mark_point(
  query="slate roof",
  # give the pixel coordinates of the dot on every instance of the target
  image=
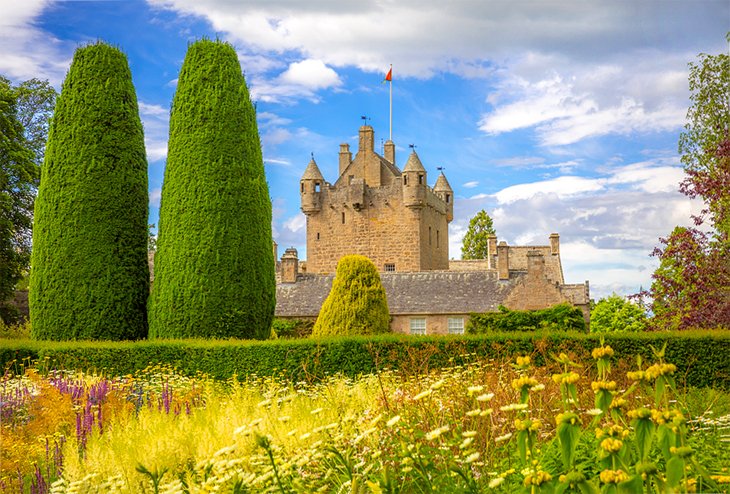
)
(433, 292)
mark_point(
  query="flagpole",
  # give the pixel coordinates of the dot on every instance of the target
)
(391, 103)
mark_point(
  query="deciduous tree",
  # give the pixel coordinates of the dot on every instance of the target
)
(475, 244)
(615, 313)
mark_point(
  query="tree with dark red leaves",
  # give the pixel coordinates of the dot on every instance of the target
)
(691, 287)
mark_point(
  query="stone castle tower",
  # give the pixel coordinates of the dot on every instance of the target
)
(393, 217)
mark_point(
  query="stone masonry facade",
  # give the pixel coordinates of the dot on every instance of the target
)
(374, 209)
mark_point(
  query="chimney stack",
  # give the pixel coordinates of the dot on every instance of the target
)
(535, 264)
(389, 151)
(345, 157)
(503, 261)
(554, 244)
(289, 265)
(491, 251)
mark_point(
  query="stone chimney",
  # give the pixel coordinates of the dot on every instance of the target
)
(503, 261)
(535, 264)
(367, 138)
(491, 251)
(389, 151)
(554, 244)
(289, 265)
(345, 157)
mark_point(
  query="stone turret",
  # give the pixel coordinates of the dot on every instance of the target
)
(444, 191)
(311, 188)
(414, 182)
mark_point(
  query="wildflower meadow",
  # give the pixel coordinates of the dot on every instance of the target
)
(485, 426)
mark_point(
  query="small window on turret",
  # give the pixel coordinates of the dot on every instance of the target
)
(302, 187)
(343, 217)
(317, 186)
(405, 179)
(448, 198)
(437, 239)
(420, 180)
(317, 235)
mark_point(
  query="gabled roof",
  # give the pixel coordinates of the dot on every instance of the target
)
(432, 292)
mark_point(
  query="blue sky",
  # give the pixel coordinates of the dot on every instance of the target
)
(554, 116)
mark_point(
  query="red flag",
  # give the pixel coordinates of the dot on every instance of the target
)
(389, 75)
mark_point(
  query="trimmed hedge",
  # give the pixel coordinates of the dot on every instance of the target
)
(214, 265)
(700, 356)
(356, 304)
(90, 277)
(561, 317)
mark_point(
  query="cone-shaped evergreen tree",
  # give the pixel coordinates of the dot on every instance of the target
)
(214, 266)
(356, 304)
(89, 274)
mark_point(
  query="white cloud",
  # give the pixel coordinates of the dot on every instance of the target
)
(470, 185)
(26, 51)
(560, 187)
(311, 74)
(155, 196)
(156, 122)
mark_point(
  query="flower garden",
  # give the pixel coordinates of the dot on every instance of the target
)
(483, 426)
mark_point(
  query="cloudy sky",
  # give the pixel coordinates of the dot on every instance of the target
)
(554, 116)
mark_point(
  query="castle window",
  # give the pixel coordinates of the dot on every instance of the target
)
(317, 235)
(302, 184)
(420, 179)
(456, 325)
(418, 325)
(390, 268)
(350, 179)
(448, 198)
(405, 179)
(437, 239)
(316, 186)
(343, 217)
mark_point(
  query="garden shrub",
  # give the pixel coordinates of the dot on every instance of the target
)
(292, 328)
(89, 276)
(214, 265)
(357, 304)
(562, 317)
(701, 356)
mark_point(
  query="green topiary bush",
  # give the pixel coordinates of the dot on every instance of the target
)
(356, 304)
(89, 276)
(214, 265)
(562, 317)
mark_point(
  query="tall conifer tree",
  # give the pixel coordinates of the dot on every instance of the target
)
(89, 271)
(214, 266)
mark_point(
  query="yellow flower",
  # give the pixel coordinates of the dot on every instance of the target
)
(611, 445)
(602, 352)
(537, 478)
(524, 382)
(523, 361)
(639, 413)
(566, 378)
(603, 385)
(613, 476)
(423, 394)
(657, 370)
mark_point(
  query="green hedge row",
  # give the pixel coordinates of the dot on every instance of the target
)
(562, 317)
(701, 357)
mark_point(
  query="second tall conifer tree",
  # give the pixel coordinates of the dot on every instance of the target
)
(214, 266)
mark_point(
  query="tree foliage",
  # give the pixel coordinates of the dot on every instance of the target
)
(475, 244)
(89, 271)
(214, 263)
(36, 99)
(691, 287)
(18, 181)
(615, 313)
(356, 304)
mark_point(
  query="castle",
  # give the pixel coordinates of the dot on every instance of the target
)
(394, 218)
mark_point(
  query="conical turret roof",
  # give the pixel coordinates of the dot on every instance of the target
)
(414, 164)
(442, 184)
(312, 172)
